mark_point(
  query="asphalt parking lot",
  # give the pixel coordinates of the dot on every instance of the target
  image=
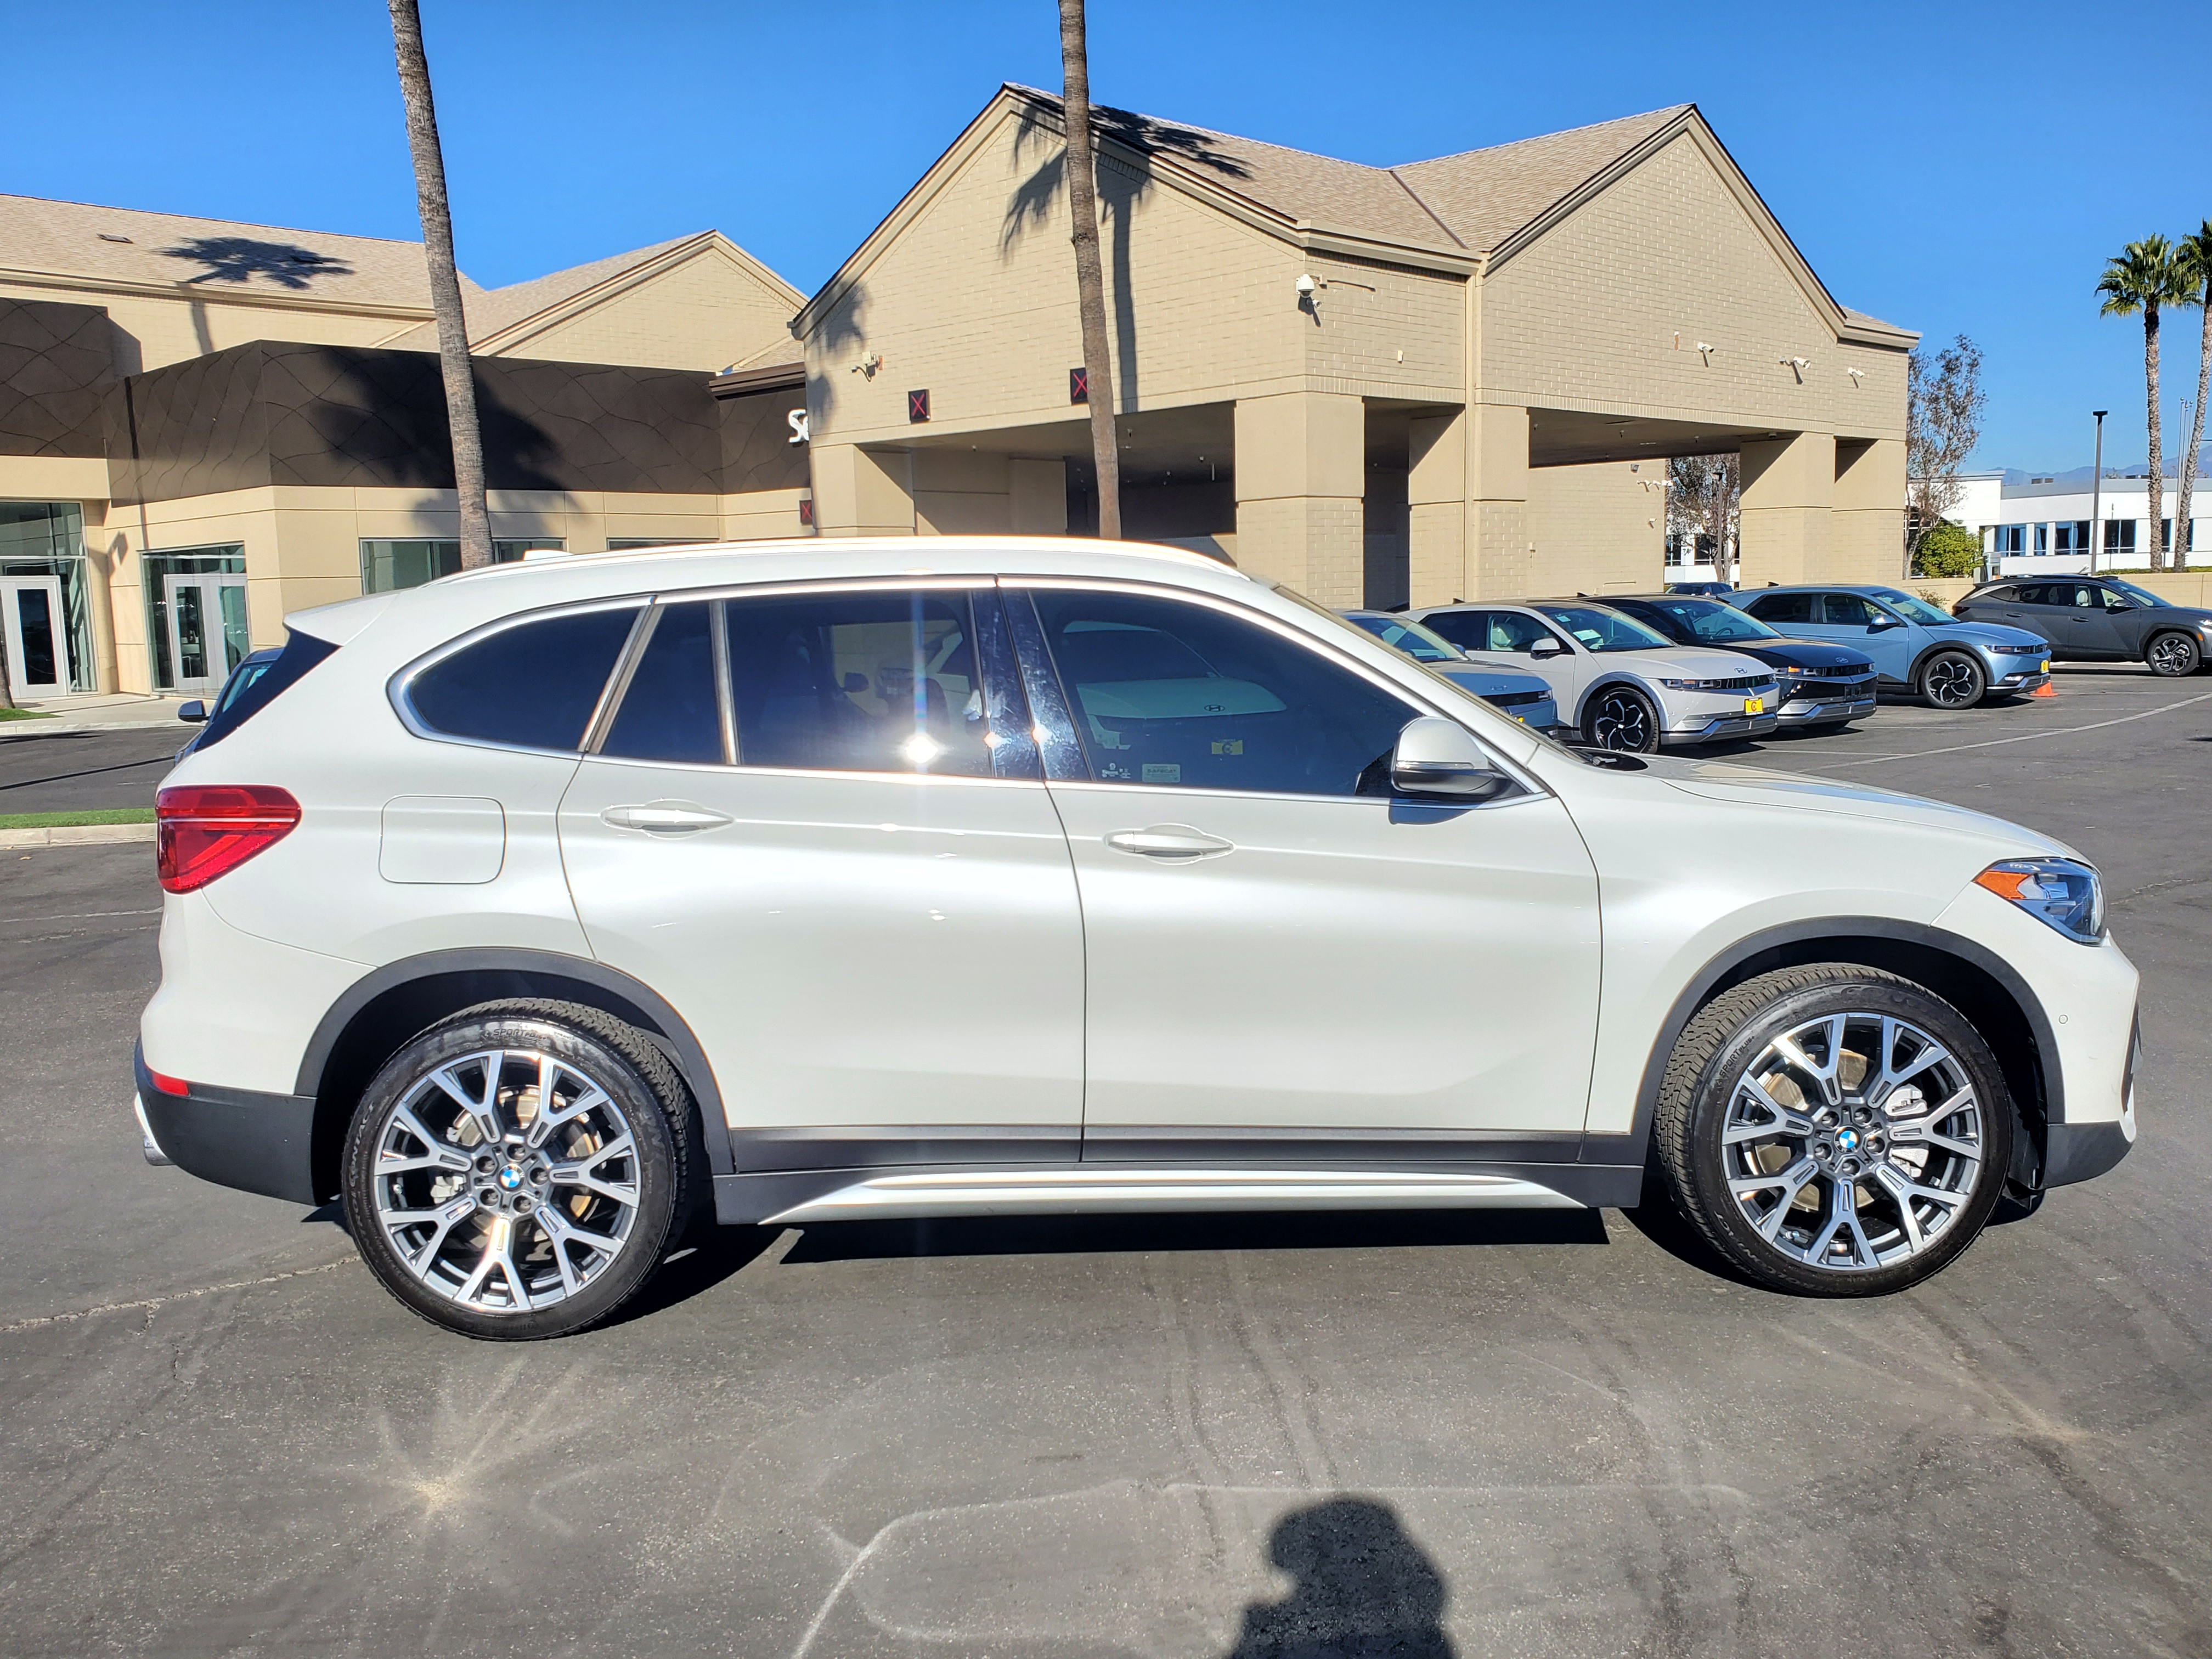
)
(1487, 1435)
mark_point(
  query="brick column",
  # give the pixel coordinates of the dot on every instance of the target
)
(1865, 531)
(1436, 508)
(1301, 479)
(1501, 563)
(1788, 489)
(860, 492)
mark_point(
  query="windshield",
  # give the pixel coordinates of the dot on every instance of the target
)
(1596, 629)
(1915, 609)
(1711, 623)
(1421, 644)
(2140, 595)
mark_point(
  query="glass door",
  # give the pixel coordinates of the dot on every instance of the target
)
(208, 633)
(38, 662)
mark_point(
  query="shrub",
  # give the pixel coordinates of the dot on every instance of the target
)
(1949, 549)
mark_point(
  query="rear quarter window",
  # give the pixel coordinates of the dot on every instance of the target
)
(248, 694)
(532, 685)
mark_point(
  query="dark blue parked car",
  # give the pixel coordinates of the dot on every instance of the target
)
(1821, 684)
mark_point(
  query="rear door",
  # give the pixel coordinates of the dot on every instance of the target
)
(814, 823)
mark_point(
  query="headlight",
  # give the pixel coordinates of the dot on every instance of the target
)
(2020, 650)
(2063, 893)
(1693, 685)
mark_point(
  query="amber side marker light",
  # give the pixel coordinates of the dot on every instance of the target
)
(205, 830)
(2005, 883)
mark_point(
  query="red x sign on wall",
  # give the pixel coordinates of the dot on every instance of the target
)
(917, 405)
(1078, 385)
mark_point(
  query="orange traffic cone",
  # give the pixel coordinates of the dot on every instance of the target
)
(2045, 689)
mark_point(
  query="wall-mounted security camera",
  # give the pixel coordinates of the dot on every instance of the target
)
(1307, 284)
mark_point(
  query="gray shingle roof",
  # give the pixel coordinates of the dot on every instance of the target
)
(1471, 201)
(220, 255)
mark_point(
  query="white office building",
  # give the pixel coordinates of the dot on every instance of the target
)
(2043, 527)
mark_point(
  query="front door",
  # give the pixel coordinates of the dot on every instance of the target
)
(1284, 962)
(37, 651)
(2083, 628)
(840, 865)
(208, 631)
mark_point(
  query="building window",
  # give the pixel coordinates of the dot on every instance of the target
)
(39, 539)
(2071, 538)
(631, 543)
(2120, 537)
(387, 564)
(2043, 538)
(2009, 538)
(211, 619)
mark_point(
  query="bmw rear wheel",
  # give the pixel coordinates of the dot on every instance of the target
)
(1834, 1130)
(2173, 656)
(517, 1172)
(1620, 717)
(1951, 679)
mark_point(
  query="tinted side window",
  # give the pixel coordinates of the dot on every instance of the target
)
(671, 710)
(1509, 631)
(1168, 692)
(1465, 629)
(533, 686)
(858, 682)
(1780, 608)
(1849, 610)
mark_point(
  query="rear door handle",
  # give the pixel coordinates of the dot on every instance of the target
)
(662, 817)
(1175, 842)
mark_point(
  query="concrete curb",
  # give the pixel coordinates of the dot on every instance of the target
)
(13, 729)
(75, 834)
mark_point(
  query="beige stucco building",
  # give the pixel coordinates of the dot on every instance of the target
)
(1456, 377)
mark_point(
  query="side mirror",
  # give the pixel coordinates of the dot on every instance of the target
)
(1440, 758)
(193, 713)
(1883, 624)
(2113, 607)
(1547, 648)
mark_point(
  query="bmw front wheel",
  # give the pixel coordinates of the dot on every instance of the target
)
(517, 1172)
(1834, 1130)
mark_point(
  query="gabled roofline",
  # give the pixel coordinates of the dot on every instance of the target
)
(560, 311)
(1690, 122)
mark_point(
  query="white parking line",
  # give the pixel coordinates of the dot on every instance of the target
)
(2024, 737)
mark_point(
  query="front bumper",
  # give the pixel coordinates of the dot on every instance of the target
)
(1716, 728)
(2031, 679)
(257, 1143)
(1818, 711)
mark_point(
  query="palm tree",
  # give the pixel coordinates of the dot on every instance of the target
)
(2146, 276)
(2195, 254)
(445, 282)
(1090, 280)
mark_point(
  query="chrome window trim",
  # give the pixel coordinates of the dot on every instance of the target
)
(617, 686)
(1322, 647)
(399, 688)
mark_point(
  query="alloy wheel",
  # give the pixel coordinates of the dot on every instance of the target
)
(506, 1181)
(1952, 681)
(2172, 656)
(1853, 1141)
(1622, 720)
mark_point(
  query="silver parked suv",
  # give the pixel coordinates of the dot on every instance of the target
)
(533, 911)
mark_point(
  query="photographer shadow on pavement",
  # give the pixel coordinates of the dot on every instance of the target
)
(1361, 1588)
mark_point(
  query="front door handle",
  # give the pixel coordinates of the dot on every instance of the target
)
(1177, 842)
(663, 818)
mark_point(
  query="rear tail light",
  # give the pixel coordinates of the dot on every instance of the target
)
(206, 830)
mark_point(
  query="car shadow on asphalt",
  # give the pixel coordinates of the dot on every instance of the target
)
(1116, 1235)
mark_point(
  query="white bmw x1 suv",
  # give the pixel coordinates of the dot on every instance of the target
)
(530, 911)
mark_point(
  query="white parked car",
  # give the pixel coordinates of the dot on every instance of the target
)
(530, 910)
(1619, 682)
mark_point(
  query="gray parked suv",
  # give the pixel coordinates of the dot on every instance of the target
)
(2098, 619)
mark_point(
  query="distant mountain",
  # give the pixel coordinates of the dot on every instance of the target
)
(2081, 475)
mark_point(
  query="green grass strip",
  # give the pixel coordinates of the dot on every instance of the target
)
(71, 820)
(23, 715)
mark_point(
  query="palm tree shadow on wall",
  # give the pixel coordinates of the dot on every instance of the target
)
(1123, 184)
(241, 258)
(1359, 1586)
(377, 418)
(845, 326)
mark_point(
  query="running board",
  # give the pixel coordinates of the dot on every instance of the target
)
(1079, 1189)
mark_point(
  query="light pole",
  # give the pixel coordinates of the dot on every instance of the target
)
(2096, 491)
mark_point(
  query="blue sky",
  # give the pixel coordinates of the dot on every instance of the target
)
(1952, 168)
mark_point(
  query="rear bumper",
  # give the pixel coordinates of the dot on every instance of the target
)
(257, 1143)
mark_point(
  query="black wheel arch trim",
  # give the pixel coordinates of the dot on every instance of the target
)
(617, 993)
(1703, 985)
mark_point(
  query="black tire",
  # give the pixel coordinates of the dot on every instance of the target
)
(1951, 679)
(646, 1096)
(1621, 717)
(1732, 1034)
(2172, 655)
